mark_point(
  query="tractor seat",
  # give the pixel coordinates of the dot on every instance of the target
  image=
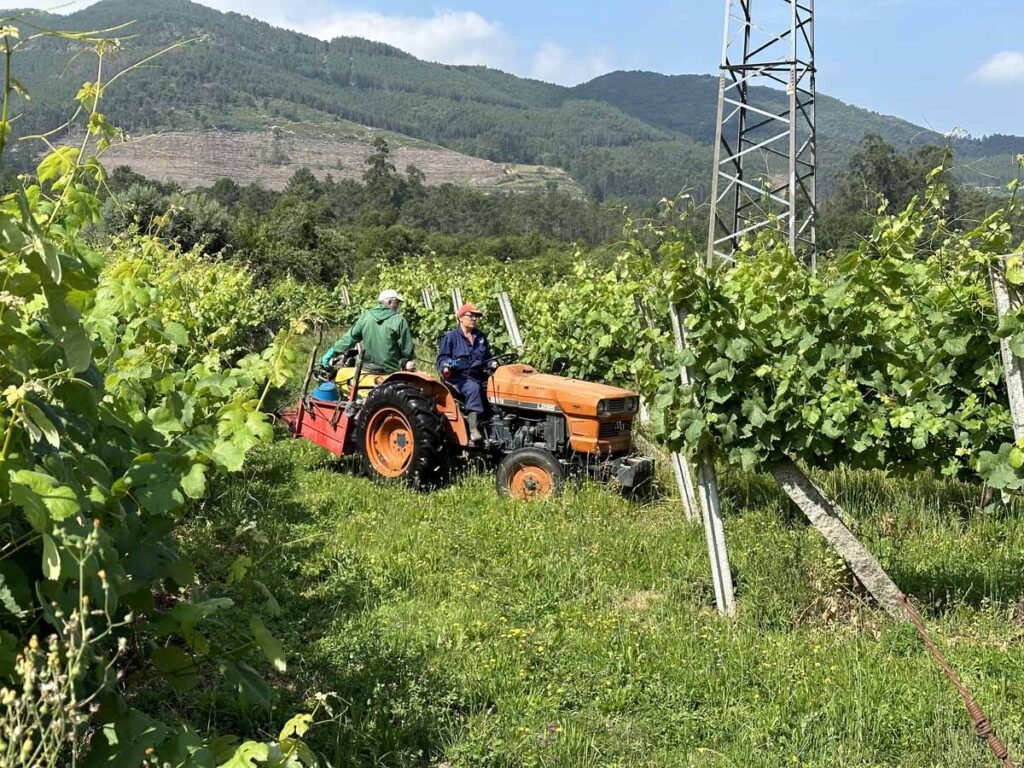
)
(460, 399)
(456, 392)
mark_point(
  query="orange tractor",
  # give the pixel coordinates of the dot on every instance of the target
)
(409, 426)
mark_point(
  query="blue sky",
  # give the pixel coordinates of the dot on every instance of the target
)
(940, 63)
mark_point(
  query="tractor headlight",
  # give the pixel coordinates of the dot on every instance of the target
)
(618, 405)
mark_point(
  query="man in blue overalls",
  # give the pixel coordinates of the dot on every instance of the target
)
(461, 358)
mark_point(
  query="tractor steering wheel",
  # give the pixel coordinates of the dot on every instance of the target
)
(505, 358)
(489, 365)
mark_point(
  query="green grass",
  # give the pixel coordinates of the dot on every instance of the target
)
(467, 630)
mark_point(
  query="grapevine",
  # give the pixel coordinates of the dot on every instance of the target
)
(129, 377)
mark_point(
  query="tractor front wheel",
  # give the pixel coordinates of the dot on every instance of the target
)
(530, 474)
(400, 436)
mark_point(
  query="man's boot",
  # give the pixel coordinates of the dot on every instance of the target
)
(474, 427)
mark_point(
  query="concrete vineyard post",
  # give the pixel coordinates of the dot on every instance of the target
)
(645, 413)
(1007, 300)
(707, 482)
(509, 317)
(824, 516)
(680, 464)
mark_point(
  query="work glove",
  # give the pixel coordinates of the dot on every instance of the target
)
(326, 359)
(324, 373)
(410, 365)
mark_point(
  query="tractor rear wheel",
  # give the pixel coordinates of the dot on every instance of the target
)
(400, 436)
(529, 474)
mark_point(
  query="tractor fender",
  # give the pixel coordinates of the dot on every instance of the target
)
(446, 404)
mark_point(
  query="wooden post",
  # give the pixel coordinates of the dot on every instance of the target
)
(428, 300)
(1007, 300)
(509, 316)
(345, 298)
(707, 482)
(456, 301)
(824, 515)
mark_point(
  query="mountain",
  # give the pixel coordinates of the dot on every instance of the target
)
(626, 135)
(685, 105)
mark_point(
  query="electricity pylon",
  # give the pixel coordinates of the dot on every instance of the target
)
(765, 144)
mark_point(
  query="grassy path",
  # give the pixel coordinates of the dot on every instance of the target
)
(467, 630)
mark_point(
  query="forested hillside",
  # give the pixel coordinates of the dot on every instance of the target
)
(628, 135)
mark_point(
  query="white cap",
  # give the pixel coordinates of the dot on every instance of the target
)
(388, 295)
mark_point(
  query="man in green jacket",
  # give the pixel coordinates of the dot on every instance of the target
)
(385, 334)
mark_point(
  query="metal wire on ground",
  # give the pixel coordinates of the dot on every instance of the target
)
(982, 725)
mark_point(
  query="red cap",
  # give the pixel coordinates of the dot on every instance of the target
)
(468, 309)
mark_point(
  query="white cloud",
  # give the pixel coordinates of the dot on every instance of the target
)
(1004, 67)
(556, 64)
(451, 37)
(448, 36)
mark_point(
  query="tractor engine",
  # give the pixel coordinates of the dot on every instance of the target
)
(562, 414)
(517, 429)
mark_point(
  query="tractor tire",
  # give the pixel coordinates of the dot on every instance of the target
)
(530, 474)
(400, 436)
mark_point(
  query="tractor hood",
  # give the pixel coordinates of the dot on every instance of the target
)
(522, 386)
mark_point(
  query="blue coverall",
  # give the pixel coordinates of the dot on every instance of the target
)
(465, 359)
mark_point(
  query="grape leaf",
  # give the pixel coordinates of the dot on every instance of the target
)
(271, 646)
(51, 558)
(176, 667)
(42, 498)
(39, 424)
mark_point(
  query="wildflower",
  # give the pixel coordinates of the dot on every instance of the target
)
(11, 301)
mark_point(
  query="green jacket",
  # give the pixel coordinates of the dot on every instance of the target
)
(385, 335)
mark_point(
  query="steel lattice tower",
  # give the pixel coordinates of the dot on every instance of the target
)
(765, 144)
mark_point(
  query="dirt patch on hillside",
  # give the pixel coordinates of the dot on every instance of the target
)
(269, 158)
